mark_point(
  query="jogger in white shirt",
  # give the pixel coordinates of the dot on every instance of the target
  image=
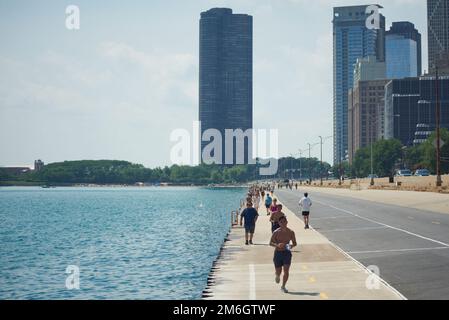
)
(305, 204)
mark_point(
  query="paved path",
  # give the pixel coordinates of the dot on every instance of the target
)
(319, 271)
(410, 246)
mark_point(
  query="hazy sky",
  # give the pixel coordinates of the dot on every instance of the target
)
(117, 87)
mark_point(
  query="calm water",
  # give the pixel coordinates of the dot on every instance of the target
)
(129, 243)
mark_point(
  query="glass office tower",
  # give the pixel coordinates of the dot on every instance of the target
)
(351, 40)
(438, 30)
(401, 57)
(396, 39)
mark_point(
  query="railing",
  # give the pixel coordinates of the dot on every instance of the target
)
(234, 218)
(235, 214)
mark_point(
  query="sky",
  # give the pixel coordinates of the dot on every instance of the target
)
(117, 87)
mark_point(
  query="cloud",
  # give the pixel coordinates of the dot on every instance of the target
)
(166, 75)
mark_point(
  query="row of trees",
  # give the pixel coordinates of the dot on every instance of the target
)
(123, 172)
(389, 155)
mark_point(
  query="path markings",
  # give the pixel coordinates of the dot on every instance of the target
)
(385, 225)
(252, 282)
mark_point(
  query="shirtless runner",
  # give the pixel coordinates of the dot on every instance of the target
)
(282, 259)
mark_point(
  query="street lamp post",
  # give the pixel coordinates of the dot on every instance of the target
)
(310, 171)
(371, 147)
(321, 160)
(398, 116)
(437, 120)
(291, 167)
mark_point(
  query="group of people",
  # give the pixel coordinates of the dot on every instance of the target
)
(283, 239)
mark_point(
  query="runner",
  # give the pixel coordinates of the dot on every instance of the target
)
(305, 204)
(250, 216)
(268, 201)
(282, 259)
(274, 206)
(275, 216)
(257, 200)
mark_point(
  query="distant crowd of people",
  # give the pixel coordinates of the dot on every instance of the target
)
(283, 239)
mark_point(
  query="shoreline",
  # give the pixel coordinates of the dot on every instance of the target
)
(80, 185)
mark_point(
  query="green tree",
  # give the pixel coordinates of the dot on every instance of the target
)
(386, 154)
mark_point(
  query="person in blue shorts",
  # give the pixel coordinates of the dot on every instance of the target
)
(249, 215)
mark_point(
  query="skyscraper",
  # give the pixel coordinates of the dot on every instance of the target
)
(365, 104)
(365, 114)
(369, 68)
(403, 51)
(352, 40)
(410, 104)
(438, 30)
(226, 73)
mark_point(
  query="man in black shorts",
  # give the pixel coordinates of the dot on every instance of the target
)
(305, 204)
(250, 216)
(282, 259)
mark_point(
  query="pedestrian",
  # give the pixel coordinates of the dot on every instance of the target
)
(275, 216)
(305, 204)
(274, 206)
(257, 201)
(282, 259)
(249, 215)
(268, 201)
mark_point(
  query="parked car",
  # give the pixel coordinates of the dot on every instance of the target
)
(374, 176)
(404, 173)
(422, 173)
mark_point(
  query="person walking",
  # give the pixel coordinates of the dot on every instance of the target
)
(257, 200)
(268, 201)
(249, 215)
(274, 206)
(282, 259)
(305, 204)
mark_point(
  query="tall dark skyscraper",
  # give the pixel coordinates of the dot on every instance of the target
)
(226, 72)
(403, 45)
(410, 104)
(438, 30)
(352, 40)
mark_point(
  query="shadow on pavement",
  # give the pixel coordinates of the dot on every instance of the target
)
(312, 294)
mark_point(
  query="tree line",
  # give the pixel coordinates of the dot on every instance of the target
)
(390, 155)
(123, 172)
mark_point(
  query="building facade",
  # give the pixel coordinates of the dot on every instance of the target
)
(226, 74)
(365, 115)
(410, 105)
(351, 40)
(438, 30)
(369, 68)
(403, 51)
(401, 56)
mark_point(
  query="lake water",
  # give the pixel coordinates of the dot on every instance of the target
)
(128, 243)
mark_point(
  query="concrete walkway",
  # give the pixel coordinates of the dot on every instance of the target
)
(319, 271)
